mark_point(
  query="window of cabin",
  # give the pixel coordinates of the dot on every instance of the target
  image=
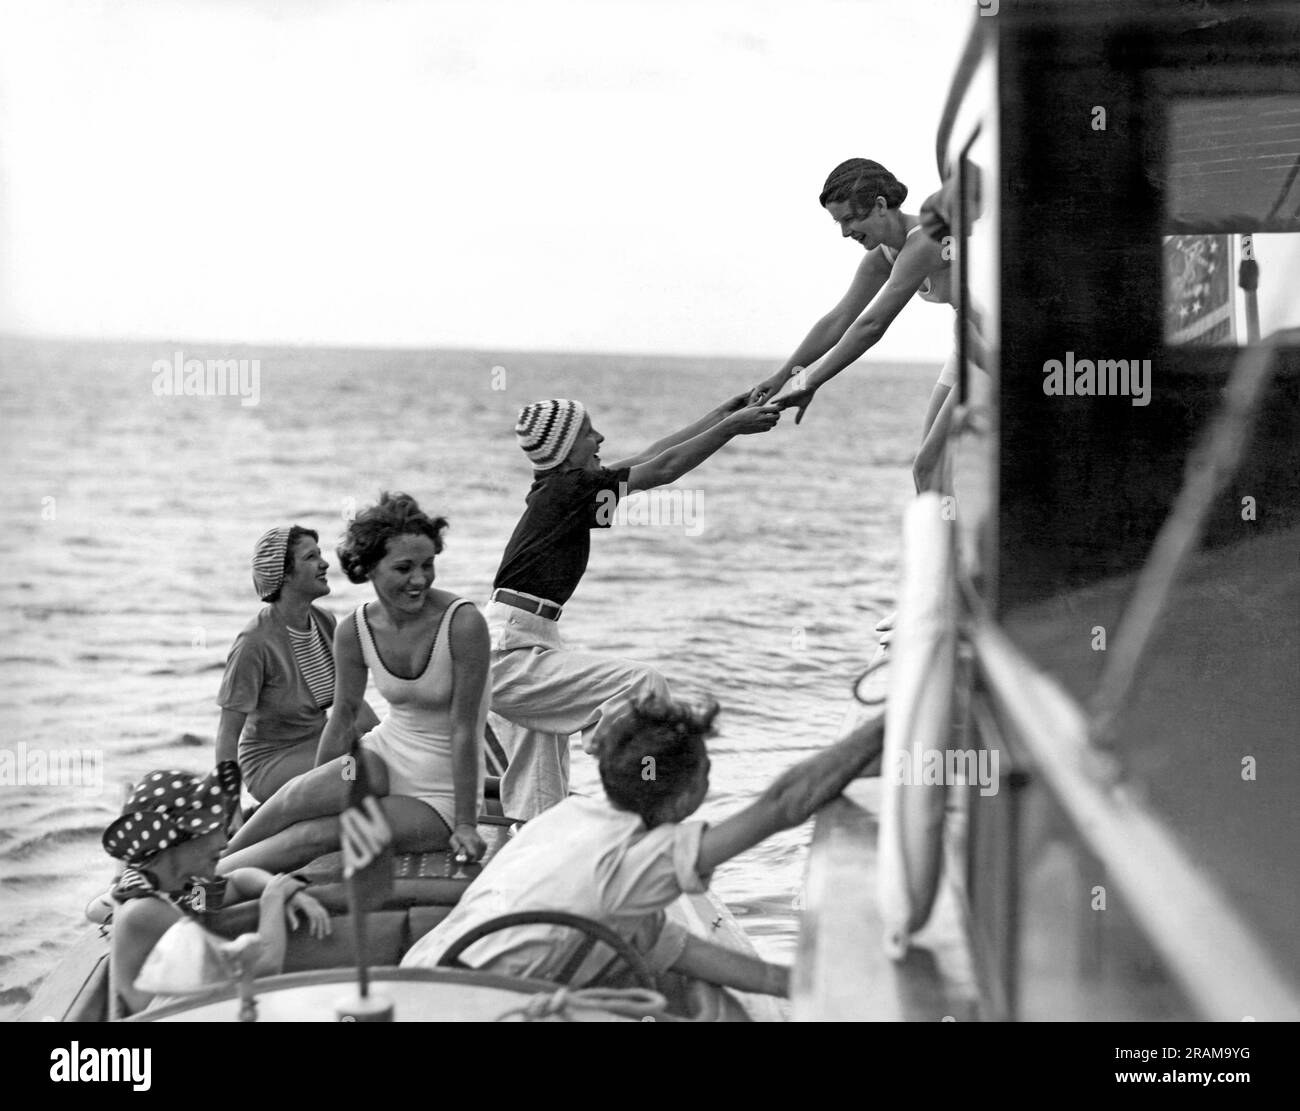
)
(1232, 188)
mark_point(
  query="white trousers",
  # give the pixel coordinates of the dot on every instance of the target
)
(546, 692)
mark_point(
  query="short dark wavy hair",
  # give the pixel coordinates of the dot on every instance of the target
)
(367, 536)
(296, 533)
(665, 737)
(858, 182)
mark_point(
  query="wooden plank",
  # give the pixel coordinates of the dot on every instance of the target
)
(841, 971)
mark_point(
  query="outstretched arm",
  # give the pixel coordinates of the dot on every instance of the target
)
(349, 693)
(707, 960)
(794, 797)
(871, 274)
(676, 461)
(711, 418)
(914, 264)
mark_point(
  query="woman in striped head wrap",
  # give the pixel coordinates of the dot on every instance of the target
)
(427, 652)
(279, 679)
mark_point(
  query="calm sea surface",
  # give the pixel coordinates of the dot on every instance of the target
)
(129, 518)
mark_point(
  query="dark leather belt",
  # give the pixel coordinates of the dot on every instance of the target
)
(539, 606)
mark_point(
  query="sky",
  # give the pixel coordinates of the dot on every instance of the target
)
(620, 176)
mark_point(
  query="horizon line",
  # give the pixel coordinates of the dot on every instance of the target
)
(69, 338)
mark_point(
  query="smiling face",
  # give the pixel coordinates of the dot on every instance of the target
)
(585, 453)
(867, 228)
(307, 579)
(403, 577)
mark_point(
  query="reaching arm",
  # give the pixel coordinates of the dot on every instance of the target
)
(871, 274)
(707, 960)
(676, 461)
(711, 418)
(794, 797)
(228, 732)
(349, 693)
(470, 651)
(915, 262)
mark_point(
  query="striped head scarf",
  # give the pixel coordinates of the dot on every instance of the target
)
(268, 562)
(548, 429)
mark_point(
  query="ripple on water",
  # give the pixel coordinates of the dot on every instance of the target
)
(50, 839)
(149, 493)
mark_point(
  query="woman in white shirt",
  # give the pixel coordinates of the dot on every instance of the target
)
(622, 859)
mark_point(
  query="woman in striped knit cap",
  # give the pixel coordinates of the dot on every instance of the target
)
(544, 689)
(279, 679)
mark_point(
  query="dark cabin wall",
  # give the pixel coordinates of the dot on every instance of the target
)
(1087, 482)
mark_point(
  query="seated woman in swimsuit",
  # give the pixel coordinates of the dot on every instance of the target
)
(279, 679)
(428, 653)
(863, 198)
(622, 859)
(170, 834)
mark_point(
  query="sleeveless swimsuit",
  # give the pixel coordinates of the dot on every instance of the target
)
(414, 739)
(937, 289)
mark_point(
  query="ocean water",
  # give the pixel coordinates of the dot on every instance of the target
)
(129, 516)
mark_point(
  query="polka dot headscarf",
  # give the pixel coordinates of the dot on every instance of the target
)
(169, 807)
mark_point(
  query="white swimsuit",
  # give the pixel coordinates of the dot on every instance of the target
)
(937, 289)
(414, 739)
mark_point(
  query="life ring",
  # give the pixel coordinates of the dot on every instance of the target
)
(918, 721)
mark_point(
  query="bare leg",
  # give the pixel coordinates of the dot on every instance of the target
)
(297, 760)
(938, 420)
(416, 829)
(938, 396)
(319, 793)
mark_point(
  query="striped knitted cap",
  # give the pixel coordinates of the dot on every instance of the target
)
(268, 562)
(547, 430)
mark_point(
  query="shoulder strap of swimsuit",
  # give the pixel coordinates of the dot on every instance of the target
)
(368, 650)
(448, 619)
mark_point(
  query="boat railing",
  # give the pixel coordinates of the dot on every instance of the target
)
(1208, 949)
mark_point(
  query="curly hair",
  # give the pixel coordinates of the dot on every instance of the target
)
(368, 533)
(859, 181)
(662, 738)
(296, 533)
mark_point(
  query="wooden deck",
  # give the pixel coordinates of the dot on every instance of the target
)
(841, 972)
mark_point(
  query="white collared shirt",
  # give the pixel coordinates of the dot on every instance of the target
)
(584, 856)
